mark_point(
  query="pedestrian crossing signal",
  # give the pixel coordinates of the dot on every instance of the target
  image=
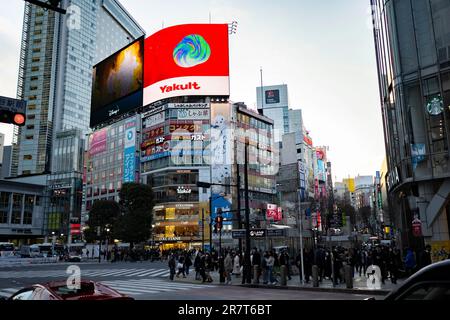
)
(15, 118)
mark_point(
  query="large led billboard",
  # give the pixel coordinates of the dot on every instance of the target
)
(117, 83)
(187, 60)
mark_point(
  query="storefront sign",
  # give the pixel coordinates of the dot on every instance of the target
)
(154, 120)
(274, 233)
(188, 105)
(183, 190)
(193, 114)
(257, 233)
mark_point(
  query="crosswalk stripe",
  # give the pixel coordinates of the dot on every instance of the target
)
(114, 273)
(152, 273)
(163, 284)
(128, 289)
(139, 273)
(151, 286)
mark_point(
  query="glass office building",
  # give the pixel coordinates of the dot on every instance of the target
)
(58, 53)
(413, 57)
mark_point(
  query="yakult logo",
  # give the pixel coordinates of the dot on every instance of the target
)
(179, 87)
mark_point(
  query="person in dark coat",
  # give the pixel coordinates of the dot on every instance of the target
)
(172, 266)
(425, 257)
(196, 265)
(256, 263)
(394, 264)
(187, 263)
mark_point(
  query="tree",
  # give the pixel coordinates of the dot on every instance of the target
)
(103, 214)
(135, 222)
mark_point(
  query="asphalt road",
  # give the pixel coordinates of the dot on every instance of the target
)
(149, 281)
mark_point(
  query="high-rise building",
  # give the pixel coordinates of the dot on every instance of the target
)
(413, 57)
(55, 76)
(2, 145)
(273, 102)
(58, 53)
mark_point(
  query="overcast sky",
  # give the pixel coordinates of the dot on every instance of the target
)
(323, 50)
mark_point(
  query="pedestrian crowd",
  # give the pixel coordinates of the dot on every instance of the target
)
(330, 263)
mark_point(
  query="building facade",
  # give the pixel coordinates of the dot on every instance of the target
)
(58, 53)
(21, 212)
(273, 102)
(413, 58)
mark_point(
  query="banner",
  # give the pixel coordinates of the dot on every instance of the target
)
(418, 153)
(97, 143)
(129, 159)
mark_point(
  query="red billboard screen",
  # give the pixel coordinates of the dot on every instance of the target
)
(186, 60)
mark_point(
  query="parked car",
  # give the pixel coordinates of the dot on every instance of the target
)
(430, 283)
(89, 290)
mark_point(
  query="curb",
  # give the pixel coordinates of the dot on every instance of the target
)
(340, 290)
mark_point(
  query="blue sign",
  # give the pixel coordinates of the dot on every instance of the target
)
(222, 203)
(129, 157)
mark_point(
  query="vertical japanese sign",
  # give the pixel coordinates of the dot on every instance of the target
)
(129, 161)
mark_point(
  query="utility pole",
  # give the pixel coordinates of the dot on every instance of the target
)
(203, 229)
(210, 221)
(301, 235)
(247, 267)
(238, 216)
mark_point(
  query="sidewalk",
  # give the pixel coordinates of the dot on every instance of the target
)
(359, 284)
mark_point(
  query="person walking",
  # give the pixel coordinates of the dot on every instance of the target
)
(256, 264)
(187, 263)
(425, 257)
(264, 269)
(180, 267)
(394, 264)
(410, 262)
(237, 265)
(197, 262)
(172, 266)
(270, 263)
(228, 266)
(284, 261)
(221, 269)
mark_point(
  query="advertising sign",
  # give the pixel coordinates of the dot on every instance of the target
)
(97, 143)
(274, 212)
(129, 161)
(417, 227)
(187, 60)
(193, 114)
(117, 83)
(154, 120)
(272, 96)
(257, 233)
(188, 105)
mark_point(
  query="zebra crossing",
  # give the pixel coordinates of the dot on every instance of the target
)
(96, 273)
(139, 287)
(135, 287)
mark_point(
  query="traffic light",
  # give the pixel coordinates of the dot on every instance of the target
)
(219, 222)
(16, 118)
(48, 4)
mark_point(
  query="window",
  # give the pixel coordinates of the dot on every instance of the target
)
(31, 116)
(428, 291)
(28, 157)
(33, 88)
(30, 127)
(36, 50)
(4, 207)
(32, 107)
(36, 41)
(17, 209)
(36, 59)
(25, 295)
(34, 69)
(29, 137)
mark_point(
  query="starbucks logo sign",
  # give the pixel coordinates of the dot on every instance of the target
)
(435, 106)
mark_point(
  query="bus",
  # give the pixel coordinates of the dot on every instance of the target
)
(6, 250)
